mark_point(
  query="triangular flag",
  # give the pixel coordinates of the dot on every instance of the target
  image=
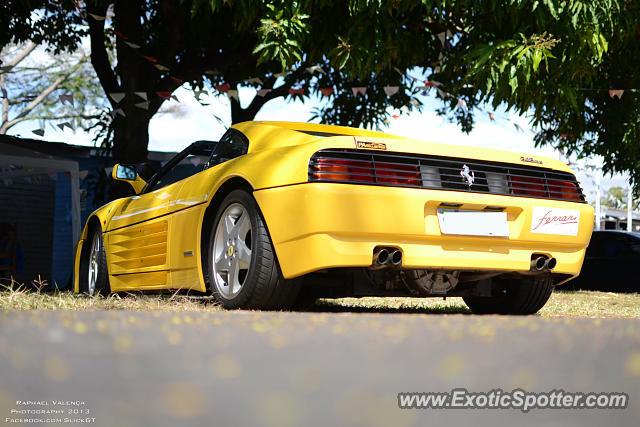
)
(116, 112)
(132, 45)
(223, 87)
(66, 98)
(164, 95)
(232, 94)
(616, 92)
(254, 80)
(97, 17)
(315, 68)
(492, 117)
(391, 90)
(177, 80)
(142, 95)
(143, 105)
(197, 93)
(359, 90)
(175, 98)
(39, 132)
(119, 34)
(518, 128)
(263, 92)
(83, 174)
(293, 92)
(395, 116)
(150, 58)
(443, 37)
(326, 91)
(61, 125)
(462, 104)
(117, 96)
(161, 67)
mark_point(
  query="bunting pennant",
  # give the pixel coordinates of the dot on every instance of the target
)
(255, 80)
(117, 96)
(294, 92)
(314, 69)
(616, 93)
(116, 112)
(132, 45)
(39, 132)
(223, 87)
(66, 98)
(442, 37)
(492, 117)
(120, 35)
(263, 92)
(177, 80)
(83, 174)
(391, 90)
(359, 90)
(198, 93)
(142, 95)
(142, 105)
(517, 126)
(97, 17)
(164, 95)
(175, 98)
(326, 91)
(161, 67)
(395, 116)
(150, 58)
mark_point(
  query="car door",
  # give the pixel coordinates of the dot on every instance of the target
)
(138, 239)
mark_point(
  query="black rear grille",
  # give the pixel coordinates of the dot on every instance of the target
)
(443, 173)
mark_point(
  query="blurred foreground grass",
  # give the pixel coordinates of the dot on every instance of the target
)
(561, 304)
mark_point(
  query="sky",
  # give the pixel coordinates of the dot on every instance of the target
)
(189, 121)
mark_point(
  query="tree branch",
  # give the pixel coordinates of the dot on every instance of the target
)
(6, 125)
(22, 55)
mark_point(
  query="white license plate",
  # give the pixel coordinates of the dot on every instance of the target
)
(473, 223)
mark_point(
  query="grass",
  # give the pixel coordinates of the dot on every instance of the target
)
(561, 304)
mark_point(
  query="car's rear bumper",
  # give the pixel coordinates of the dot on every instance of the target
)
(321, 225)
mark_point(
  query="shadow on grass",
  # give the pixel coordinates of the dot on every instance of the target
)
(336, 306)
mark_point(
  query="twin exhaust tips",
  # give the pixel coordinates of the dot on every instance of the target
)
(387, 257)
(542, 263)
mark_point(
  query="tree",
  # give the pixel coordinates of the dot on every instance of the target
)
(31, 88)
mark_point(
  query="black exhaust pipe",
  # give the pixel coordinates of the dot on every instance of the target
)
(550, 264)
(538, 263)
(396, 258)
(380, 257)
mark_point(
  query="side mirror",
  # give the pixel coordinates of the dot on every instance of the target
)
(128, 173)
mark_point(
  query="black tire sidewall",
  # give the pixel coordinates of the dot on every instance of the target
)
(251, 207)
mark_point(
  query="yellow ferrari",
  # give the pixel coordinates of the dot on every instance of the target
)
(277, 211)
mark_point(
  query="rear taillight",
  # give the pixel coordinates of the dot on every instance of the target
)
(565, 190)
(528, 186)
(343, 170)
(398, 174)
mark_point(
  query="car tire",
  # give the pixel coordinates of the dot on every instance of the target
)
(525, 296)
(243, 270)
(94, 276)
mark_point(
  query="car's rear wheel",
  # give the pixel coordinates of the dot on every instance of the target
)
(242, 264)
(94, 278)
(525, 296)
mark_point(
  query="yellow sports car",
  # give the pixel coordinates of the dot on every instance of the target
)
(276, 211)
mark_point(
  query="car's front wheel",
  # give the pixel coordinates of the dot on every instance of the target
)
(94, 278)
(525, 296)
(242, 264)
